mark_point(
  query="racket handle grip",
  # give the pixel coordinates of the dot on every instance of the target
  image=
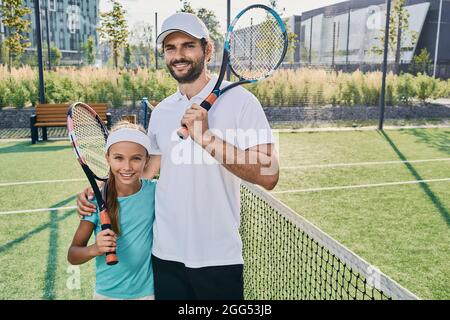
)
(111, 257)
(206, 104)
(183, 132)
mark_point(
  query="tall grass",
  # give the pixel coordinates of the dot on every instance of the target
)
(307, 87)
(301, 87)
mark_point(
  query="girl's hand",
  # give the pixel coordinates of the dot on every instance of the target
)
(106, 242)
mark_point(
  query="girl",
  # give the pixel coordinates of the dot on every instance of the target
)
(130, 204)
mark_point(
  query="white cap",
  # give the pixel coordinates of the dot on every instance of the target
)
(184, 22)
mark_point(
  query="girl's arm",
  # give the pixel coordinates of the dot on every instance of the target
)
(80, 253)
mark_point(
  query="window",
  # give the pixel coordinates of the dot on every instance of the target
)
(51, 5)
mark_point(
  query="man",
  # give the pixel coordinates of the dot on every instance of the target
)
(197, 252)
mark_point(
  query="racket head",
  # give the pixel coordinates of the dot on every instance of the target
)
(256, 43)
(88, 135)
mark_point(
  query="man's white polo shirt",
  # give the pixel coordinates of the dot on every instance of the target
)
(197, 199)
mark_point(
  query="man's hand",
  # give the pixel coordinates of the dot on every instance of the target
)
(106, 241)
(196, 120)
(84, 206)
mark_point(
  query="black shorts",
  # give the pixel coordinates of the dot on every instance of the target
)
(174, 281)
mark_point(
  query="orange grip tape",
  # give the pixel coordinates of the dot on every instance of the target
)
(211, 98)
(111, 259)
(104, 217)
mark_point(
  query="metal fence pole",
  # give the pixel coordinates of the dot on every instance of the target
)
(156, 44)
(385, 56)
(348, 36)
(48, 37)
(310, 41)
(436, 51)
(37, 12)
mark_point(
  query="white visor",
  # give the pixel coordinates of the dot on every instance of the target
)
(128, 134)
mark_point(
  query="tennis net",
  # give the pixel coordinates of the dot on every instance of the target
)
(286, 257)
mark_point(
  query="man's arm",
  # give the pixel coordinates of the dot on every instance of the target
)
(258, 164)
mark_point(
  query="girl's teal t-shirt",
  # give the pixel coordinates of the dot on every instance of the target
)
(132, 277)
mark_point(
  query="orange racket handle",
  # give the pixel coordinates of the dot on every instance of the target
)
(111, 257)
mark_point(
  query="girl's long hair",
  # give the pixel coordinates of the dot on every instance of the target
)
(109, 190)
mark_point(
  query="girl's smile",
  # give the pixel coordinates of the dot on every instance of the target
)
(127, 161)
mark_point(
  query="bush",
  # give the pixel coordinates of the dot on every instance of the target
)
(116, 96)
(32, 86)
(405, 88)
(448, 89)
(391, 84)
(130, 88)
(20, 96)
(4, 95)
(350, 94)
(426, 87)
(301, 87)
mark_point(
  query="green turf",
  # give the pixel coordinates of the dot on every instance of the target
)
(401, 229)
(33, 246)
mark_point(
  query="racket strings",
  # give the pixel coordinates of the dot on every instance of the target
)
(257, 44)
(90, 141)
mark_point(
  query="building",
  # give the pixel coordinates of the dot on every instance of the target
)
(71, 23)
(347, 33)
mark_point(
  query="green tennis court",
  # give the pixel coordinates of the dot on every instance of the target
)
(384, 195)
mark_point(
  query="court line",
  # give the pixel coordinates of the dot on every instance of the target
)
(7, 184)
(38, 210)
(365, 128)
(360, 186)
(331, 165)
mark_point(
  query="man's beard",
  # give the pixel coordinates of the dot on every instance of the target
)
(196, 68)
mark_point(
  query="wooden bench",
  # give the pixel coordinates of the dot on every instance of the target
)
(55, 115)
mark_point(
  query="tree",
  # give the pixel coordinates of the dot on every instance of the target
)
(4, 56)
(114, 29)
(89, 51)
(141, 41)
(127, 56)
(292, 37)
(399, 32)
(55, 54)
(186, 7)
(210, 20)
(11, 14)
(422, 61)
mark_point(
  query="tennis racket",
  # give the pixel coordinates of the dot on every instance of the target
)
(255, 45)
(88, 135)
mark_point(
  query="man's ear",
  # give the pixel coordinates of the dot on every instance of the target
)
(209, 51)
